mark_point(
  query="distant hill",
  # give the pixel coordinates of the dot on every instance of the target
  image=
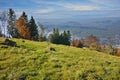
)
(101, 27)
(35, 61)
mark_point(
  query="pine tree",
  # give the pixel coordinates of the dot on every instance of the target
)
(12, 31)
(33, 29)
(0, 31)
(57, 38)
(24, 16)
(66, 38)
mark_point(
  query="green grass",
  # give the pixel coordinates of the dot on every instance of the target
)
(33, 61)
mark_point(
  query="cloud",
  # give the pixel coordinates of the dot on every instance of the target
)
(44, 11)
(114, 3)
(80, 7)
(106, 1)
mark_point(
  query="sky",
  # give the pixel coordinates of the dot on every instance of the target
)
(63, 9)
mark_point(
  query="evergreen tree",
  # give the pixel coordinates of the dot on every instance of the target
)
(0, 31)
(33, 29)
(66, 38)
(12, 31)
(57, 38)
(24, 16)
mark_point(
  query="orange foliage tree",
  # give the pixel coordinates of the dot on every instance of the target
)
(118, 52)
(77, 43)
(91, 39)
(22, 28)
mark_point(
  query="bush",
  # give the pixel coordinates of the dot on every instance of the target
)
(77, 43)
(91, 39)
(118, 52)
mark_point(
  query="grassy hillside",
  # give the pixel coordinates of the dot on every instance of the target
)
(34, 61)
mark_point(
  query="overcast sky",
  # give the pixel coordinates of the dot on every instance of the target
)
(64, 9)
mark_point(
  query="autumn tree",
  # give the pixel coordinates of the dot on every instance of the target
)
(23, 30)
(118, 52)
(91, 39)
(12, 31)
(77, 43)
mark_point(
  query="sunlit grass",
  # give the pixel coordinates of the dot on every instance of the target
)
(32, 61)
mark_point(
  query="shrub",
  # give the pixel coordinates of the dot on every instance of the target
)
(90, 40)
(118, 52)
(77, 43)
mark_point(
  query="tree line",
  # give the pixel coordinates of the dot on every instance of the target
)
(28, 29)
(93, 43)
(25, 28)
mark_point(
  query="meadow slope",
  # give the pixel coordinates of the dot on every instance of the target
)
(34, 61)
